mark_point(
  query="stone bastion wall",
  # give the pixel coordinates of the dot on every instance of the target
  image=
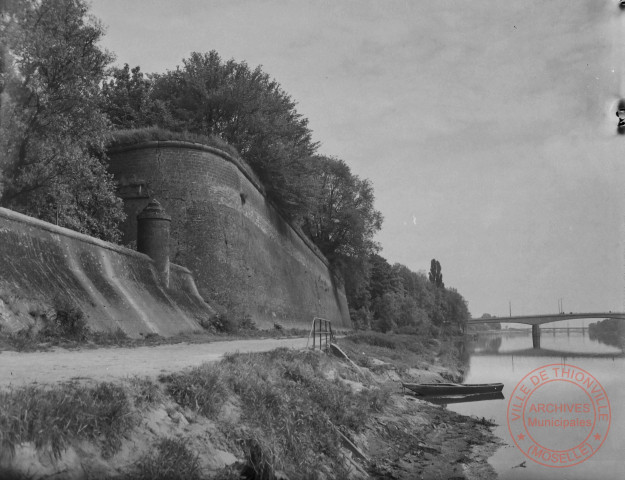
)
(115, 287)
(243, 254)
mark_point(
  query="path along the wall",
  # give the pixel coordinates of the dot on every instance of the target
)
(242, 253)
(114, 286)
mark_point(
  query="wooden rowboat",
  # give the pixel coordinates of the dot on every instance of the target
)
(452, 388)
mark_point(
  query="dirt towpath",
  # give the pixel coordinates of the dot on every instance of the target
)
(109, 363)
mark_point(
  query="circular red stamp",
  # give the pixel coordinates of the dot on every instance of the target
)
(559, 415)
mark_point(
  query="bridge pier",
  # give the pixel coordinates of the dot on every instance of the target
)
(536, 336)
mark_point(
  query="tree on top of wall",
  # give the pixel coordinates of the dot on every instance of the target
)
(228, 99)
(126, 99)
(250, 110)
(52, 132)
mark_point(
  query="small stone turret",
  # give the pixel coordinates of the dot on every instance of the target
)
(153, 225)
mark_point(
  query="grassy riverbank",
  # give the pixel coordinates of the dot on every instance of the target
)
(283, 414)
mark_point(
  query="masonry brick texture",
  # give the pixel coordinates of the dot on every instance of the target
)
(243, 254)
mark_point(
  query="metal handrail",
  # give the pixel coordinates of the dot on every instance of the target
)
(324, 328)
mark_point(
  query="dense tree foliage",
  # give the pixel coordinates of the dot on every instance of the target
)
(341, 218)
(610, 331)
(127, 100)
(243, 106)
(52, 132)
(479, 327)
(247, 108)
(435, 275)
(397, 298)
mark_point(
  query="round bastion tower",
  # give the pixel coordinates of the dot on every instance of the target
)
(245, 257)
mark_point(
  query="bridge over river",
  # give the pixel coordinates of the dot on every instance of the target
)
(536, 320)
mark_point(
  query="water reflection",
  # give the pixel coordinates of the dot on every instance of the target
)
(610, 331)
(484, 344)
(563, 354)
(476, 397)
(508, 357)
(558, 344)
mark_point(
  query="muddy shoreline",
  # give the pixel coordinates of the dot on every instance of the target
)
(418, 439)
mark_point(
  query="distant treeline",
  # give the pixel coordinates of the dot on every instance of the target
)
(396, 298)
(62, 105)
(484, 327)
(610, 331)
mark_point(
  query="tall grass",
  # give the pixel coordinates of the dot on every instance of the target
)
(293, 418)
(201, 389)
(293, 413)
(411, 343)
(52, 417)
(376, 339)
(401, 352)
(172, 460)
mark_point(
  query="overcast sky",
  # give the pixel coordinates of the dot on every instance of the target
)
(486, 127)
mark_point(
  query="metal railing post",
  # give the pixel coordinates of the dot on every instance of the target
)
(324, 327)
(320, 344)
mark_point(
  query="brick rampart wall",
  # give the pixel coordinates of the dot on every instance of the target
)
(242, 253)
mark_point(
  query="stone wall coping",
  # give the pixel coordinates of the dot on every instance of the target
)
(245, 169)
(12, 215)
(180, 268)
(66, 232)
(235, 161)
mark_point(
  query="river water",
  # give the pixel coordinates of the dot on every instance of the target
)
(508, 358)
